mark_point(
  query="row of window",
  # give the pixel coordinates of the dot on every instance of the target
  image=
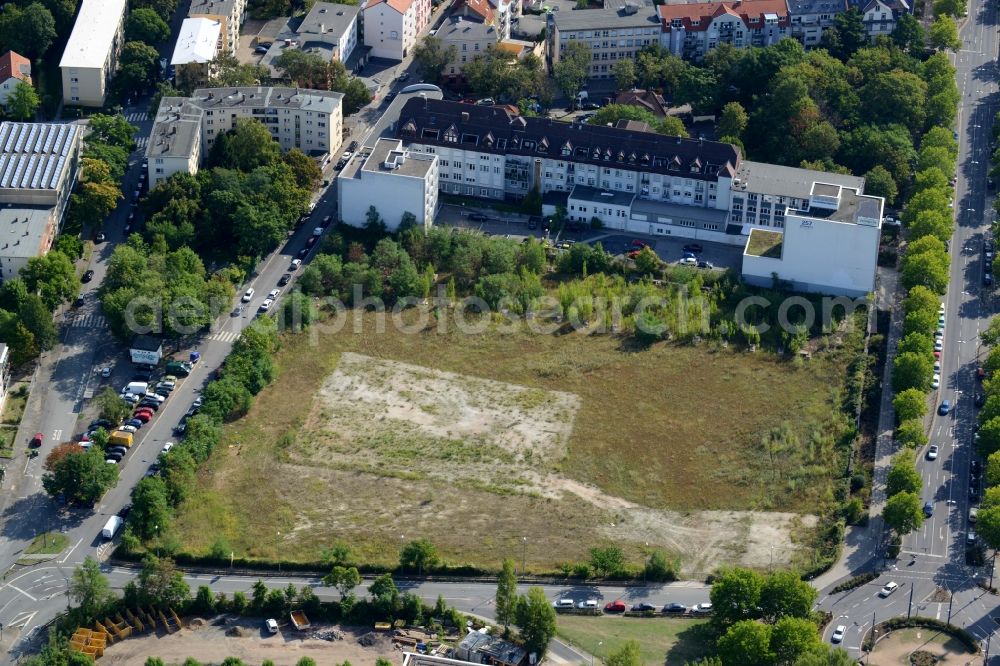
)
(624, 32)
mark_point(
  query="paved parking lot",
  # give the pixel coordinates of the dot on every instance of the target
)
(516, 226)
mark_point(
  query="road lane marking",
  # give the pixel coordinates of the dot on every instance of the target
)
(17, 589)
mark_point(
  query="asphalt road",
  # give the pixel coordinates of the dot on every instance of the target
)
(933, 577)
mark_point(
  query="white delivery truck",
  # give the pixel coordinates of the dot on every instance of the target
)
(111, 527)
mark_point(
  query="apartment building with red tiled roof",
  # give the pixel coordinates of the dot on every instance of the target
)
(692, 30)
(392, 26)
(14, 68)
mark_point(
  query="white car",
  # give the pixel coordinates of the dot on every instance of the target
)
(248, 295)
(838, 634)
(128, 428)
(941, 309)
(166, 447)
(295, 264)
(318, 231)
(272, 626)
(266, 305)
(888, 589)
(937, 366)
(105, 372)
(701, 609)
(938, 345)
(688, 261)
(936, 381)
(932, 452)
(273, 294)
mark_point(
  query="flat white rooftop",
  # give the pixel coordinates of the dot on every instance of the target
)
(197, 41)
(93, 33)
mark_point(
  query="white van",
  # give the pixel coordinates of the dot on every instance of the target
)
(136, 388)
(248, 295)
(111, 527)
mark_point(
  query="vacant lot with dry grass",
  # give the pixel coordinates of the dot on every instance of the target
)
(522, 445)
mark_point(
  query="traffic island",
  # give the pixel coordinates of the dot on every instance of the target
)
(916, 640)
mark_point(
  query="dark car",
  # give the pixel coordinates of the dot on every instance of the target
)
(477, 217)
(284, 279)
(117, 457)
(87, 276)
(152, 404)
(354, 144)
(533, 221)
(928, 509)
(693, 247)
(80, 300)
(260, 49)
(675, 608)
(987, 278)
(311, 241)
(590, 106)
(101, 423)
(101, 237)
(125, 510)
(979, 400)
(974, 468)
(705, 264)
(135, 423)
(643, 607)
(404, 76)
(944, 408)
(973, 492)
(116, 449)
(180, 428)
(303, 252)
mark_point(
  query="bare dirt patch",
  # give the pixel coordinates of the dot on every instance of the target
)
(209, 644)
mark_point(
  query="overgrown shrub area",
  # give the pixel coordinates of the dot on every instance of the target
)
(853, 583)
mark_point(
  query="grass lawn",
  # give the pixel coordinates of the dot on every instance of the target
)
(672, 427)
(765, 244)
(13, 408)
(667, 641)
(49, 543)
(7, 435)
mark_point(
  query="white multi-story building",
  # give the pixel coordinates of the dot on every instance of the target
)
(91, 54)
(634, 181)
(692, 30)
(392, 178)
(809, 18)
(880, 16)
(829, 246)
(329, 30)
(392, 26)
(186, 127)
(38, 169)
(470, 38)
(198, 45)
(613, 33)
(229, 13)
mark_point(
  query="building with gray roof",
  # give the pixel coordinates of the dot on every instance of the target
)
(329, 30)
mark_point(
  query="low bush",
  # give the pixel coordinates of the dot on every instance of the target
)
(855, 582)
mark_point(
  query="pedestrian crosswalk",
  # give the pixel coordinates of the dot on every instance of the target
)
(140, 142)
(224, 336)
(88, 321)
(137, 117)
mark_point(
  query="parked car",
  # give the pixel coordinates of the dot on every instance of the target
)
(938, 345)
(688, 261)
(693, 247)
(266, 305)
(614, 607)
(271, 625)
(124, 511)
(260, 49)
(675, 607)
(932, 452)
(477, 217)
(643, 607)
(37, 440)
(273, 294)
(295, 264)
(142, 417)
(974, 468)
(979, 400)
(284, 279)
(101, 423)
(970, 538)
(935, 381)
(987, 278)
(563, 603)
(705, 264)
(888, 589)
(589, 604)
(129, 428)
(166, 448)
(973, 514)
(151, 404)
(87, 276)
(101, 237)
(701, 609)
(113, 457)
(305, 251)
(247, 295)
(116, 449)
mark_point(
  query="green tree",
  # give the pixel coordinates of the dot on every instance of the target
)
(431, 56)
(943, 34)
(145, 25)
(903, 512)
(624, 73)
(733, 121)
(735, 596)
(607, 561)
(911, 434)
(792, 637)
(910, 404)
(344, 579)
(37, 319)
(81, 477)
(138, 66)
(931, 223)
(911, 370)
(89, 589)
(161, 584)
(307, 172)
(537, 621)
(248, 146)
(420, 554)
(880, 183)
(506, 597)
(847, 35)
(111, 406)
(150, 516)
(29, 30)
(992, 469)
(908, 33)
(92, 202)
(23, 101)
(747, 643)
(903, 476)
(573, 68)
(989, 437)
(647, 263)
(53, 277)
(629, 654)
(785, 594)
(660, 568)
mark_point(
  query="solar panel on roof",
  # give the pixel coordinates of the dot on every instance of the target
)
(11, 138)
(22, 134)
(37, 138)
(29, 172)
(4, 132)
(59, 167)
(21, 163)
(50, 137)
(50, 164)
(60, 141)
(9, 171)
